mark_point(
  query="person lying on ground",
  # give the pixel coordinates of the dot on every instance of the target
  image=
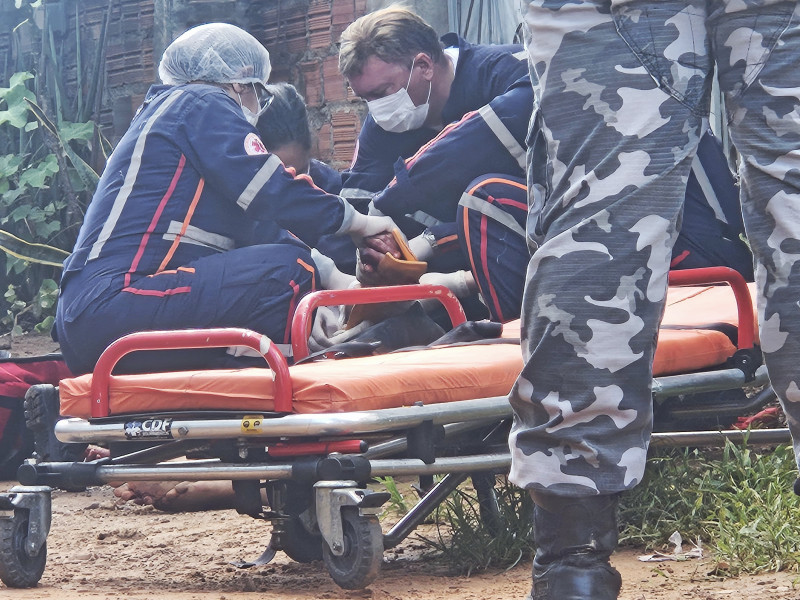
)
(178, 496)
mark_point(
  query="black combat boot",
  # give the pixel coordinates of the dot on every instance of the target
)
(574, 540)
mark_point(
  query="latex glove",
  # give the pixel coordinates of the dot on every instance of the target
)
(461, 283)
(360, 226)
(421, 247)
(371, 210)
(330, 276)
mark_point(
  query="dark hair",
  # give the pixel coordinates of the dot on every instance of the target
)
(285, 120)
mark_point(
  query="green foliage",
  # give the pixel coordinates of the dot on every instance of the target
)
(465, 541)
(739, 503)
(40, 309)
(736, 501)
(47, 144)
(16, 113)
(397, 502)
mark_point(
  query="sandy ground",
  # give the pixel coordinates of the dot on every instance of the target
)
(29, 344)
(99, 549)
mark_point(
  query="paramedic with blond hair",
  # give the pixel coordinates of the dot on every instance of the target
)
(461, 197)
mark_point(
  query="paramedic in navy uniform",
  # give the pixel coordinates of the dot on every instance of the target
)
(416, 86)
(446, 138)
(169, 241)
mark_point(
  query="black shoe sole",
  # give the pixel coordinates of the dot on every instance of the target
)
(41, 415)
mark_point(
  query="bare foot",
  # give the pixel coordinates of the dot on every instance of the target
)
(94, 453)
(178, 496)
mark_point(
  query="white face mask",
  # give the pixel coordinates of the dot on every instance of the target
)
(252, 117)
(397, 113)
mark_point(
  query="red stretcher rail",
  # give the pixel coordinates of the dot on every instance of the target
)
(186, 339)
(301, 323)
(744, 303)
(310, 448)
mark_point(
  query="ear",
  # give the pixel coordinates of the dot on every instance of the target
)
(237, 87)
(425, 63)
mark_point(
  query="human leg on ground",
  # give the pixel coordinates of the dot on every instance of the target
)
(178, 496)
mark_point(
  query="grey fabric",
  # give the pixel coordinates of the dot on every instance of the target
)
(622, 93)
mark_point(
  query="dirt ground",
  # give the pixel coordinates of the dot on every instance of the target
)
(99, 549)
(30, 344)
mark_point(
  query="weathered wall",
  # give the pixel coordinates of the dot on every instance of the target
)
(301, 36)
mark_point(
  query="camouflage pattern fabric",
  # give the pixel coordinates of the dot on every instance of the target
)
(622, 96)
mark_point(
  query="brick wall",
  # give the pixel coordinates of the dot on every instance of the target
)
(129, 60)
(301, 37)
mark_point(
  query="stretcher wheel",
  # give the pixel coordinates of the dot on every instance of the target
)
(299, 544)
(363, 551)
(18, 569)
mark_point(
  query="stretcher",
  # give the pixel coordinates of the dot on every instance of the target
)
(300, 443)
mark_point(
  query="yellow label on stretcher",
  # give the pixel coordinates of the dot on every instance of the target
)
(252, 423)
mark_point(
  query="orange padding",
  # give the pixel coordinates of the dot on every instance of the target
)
(392, 380)
(699, 306)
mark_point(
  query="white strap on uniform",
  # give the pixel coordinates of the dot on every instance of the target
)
(424, 218)
(258, 181)
(199, 237)
(493, 212)
(504, 135)
(708, 189)
(130, 177)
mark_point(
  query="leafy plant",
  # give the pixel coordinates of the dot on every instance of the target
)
(397, 502)
(40, 309)
(47, 147)
(738, 502)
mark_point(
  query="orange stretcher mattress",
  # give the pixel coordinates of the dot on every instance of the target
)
(385, 381)
(704, 306)
(400, 379)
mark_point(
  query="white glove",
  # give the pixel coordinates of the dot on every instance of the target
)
(421, 246)
(374, 211)
(362, 226)
(461, 283)
(331, 278)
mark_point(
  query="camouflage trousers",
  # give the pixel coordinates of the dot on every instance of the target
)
(622, 92)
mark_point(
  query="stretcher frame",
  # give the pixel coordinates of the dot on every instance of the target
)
(321, 462)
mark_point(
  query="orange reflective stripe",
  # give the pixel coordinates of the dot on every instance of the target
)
(156, 216)
(184, 226)
(310, 269)
(515, 184)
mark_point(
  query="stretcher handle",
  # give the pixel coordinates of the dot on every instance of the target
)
(301, 322)
(182, 339)
(744, 303)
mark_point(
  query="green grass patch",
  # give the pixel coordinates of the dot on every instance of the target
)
(467, 544)
(737, 501)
